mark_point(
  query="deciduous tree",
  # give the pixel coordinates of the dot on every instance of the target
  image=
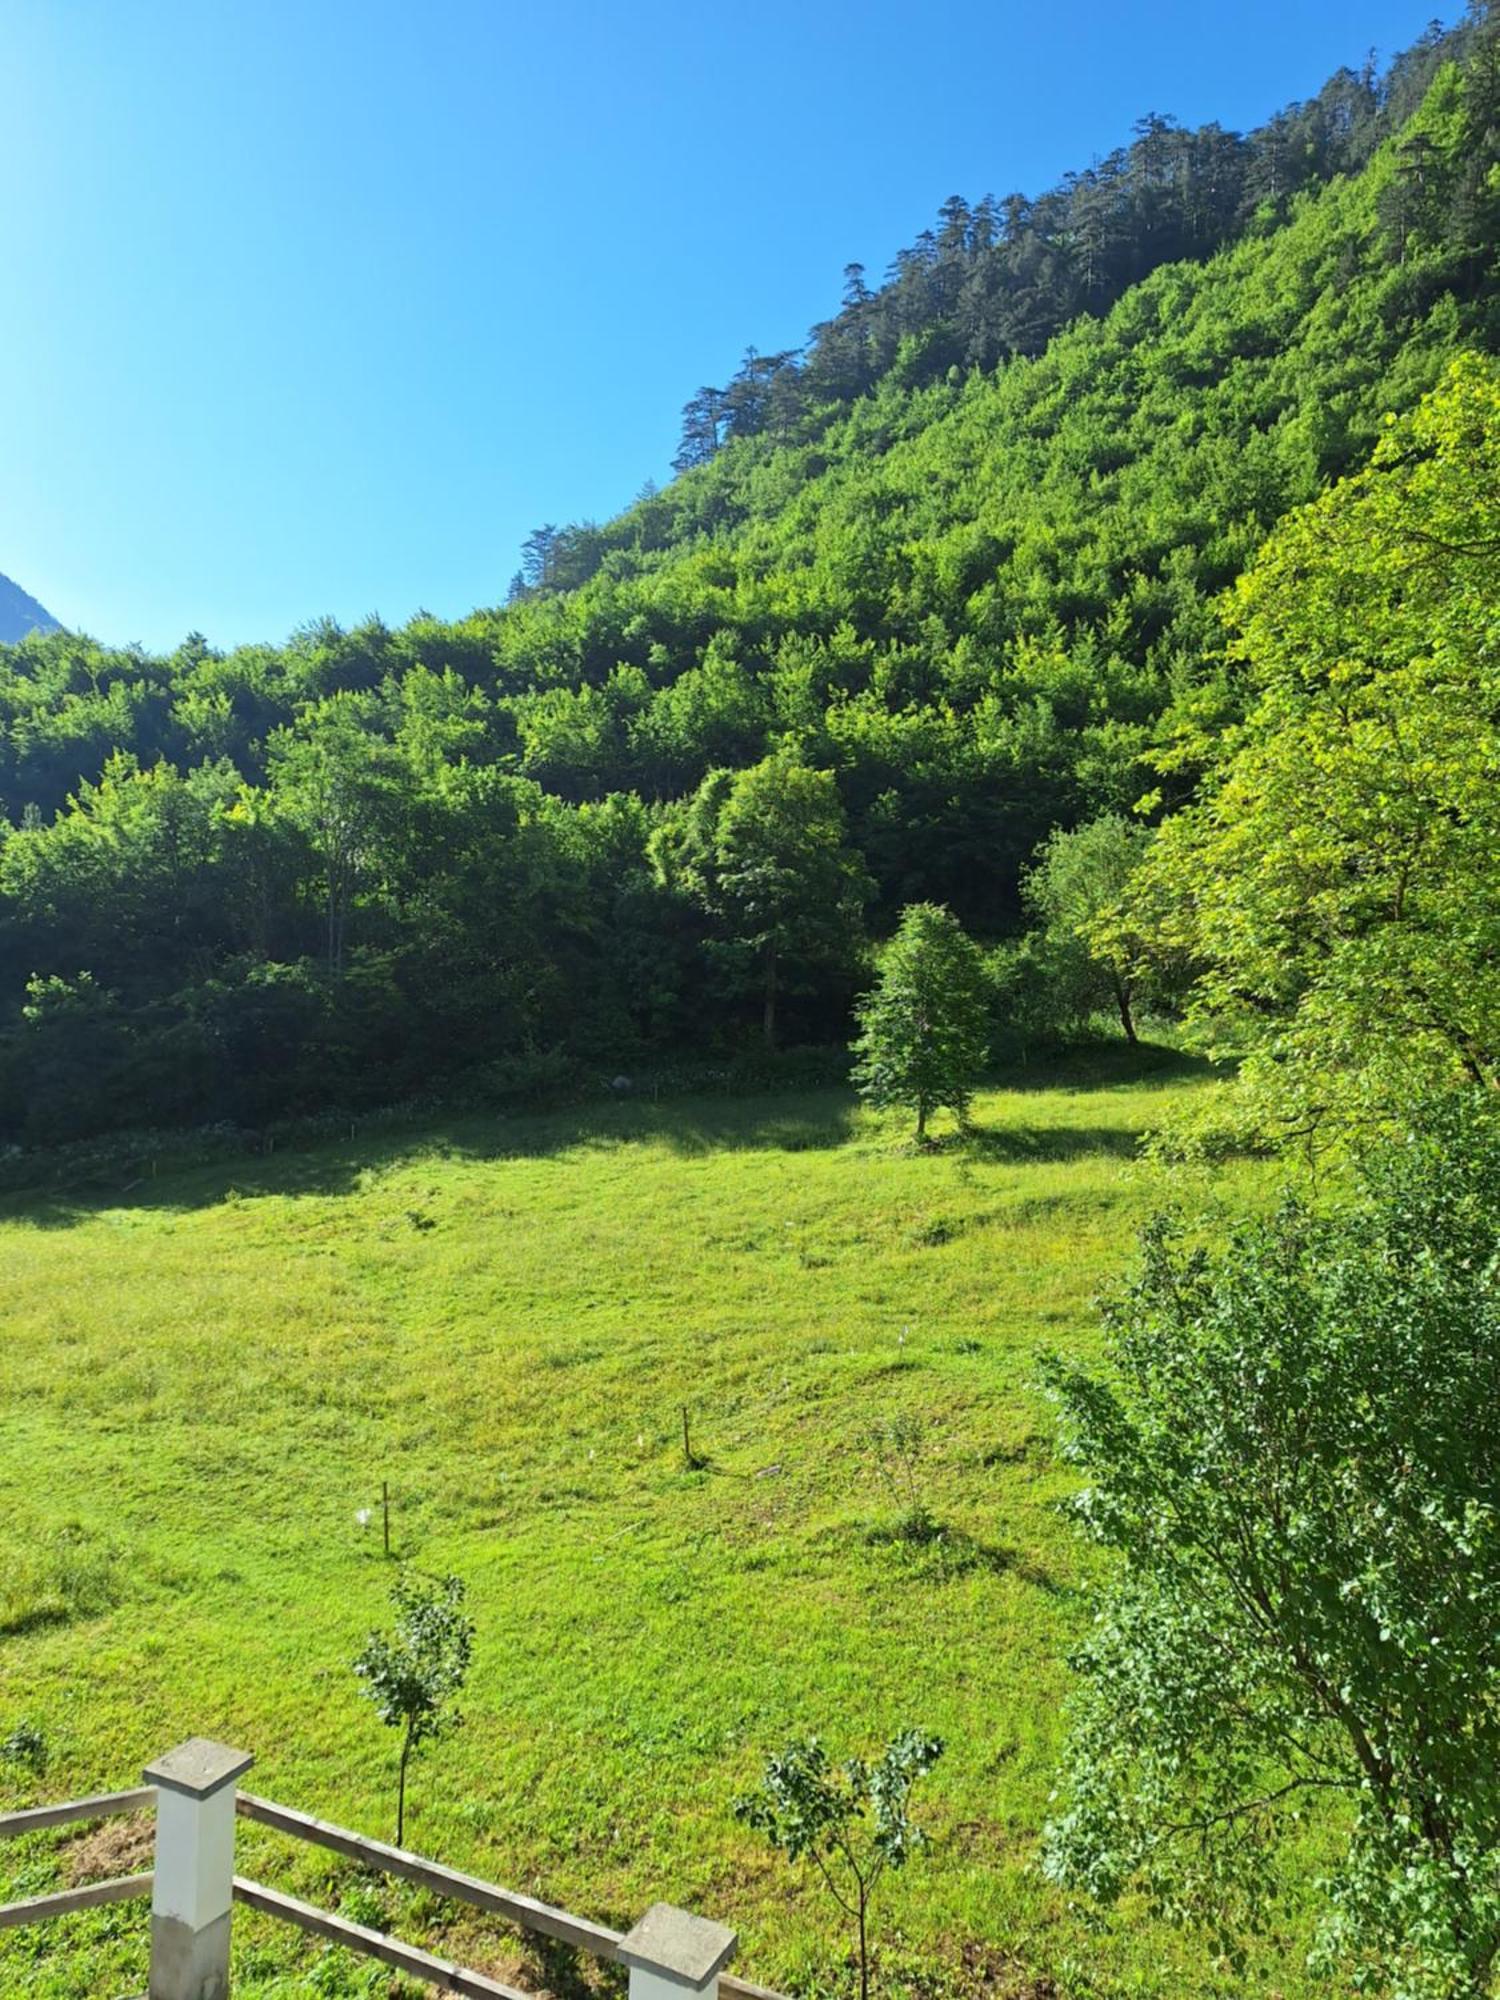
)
(922, 1026)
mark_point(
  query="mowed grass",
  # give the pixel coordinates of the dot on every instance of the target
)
(204, 1379)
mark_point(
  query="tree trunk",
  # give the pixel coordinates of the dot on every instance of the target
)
(769, 1018)
(1127, 1020)
(864, 1953)
(921, 1119)
(401, 1791)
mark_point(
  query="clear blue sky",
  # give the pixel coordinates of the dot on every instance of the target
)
(319, 307)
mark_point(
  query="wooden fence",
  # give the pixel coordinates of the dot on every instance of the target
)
(670, 1954)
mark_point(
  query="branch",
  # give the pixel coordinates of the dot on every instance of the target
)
(1231, 1813)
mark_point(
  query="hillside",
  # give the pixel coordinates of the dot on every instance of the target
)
(373, 862)
(204, 1378)
(21, 614)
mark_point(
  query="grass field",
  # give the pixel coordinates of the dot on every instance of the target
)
(205, 1378)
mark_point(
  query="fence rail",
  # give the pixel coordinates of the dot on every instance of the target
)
(439, 1972)
(524, 1911)
(508, 1903)
(108, 1805)
(39, 1909)
(194, 1791)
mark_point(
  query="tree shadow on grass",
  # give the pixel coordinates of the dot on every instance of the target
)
(180, 1172)
(1104, 1066)
(159, 1172)
(1051, 1144)
(941, 1552)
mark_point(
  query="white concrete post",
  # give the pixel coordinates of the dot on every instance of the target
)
(193, 1888)
(675, 1956)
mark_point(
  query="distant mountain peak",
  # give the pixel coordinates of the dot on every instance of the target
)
(20, 614)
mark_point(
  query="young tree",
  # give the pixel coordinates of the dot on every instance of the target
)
(413, 1672)
(1079, 879)
(1295, 1460)
(922, 1027)
(852, 1823)
(342, 786)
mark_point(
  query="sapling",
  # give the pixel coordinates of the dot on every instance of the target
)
(413, 1672)
(850, 1821)
(896, 1444)
(923, 1026)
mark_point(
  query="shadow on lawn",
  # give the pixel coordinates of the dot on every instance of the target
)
(158, 1172)
(691, 1127)
(1036, 1144)
(1105, 1066)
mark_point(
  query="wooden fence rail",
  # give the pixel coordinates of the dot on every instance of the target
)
(526, 1912)
(671, 1954)
(39, 1909)
(439, 1972)
(108, 1805)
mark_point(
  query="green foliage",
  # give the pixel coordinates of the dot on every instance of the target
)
(1336, 880)
(960, 561)
(26, 1746)
(1294, 1463)
(413, 1672)
(897, 1445)
(765, 853)
(852, 1822)
(1082, 877)
(922, 1027)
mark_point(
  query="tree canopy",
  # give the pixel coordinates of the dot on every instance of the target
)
(960, 560)
(1335, 881)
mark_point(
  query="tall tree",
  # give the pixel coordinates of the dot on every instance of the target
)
(1079, 881)
(765, 851)
(1336, 881)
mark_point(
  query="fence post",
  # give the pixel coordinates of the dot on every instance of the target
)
(193, 1889)
(673, 1955)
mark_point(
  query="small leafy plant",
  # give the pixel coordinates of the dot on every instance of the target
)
(897, 1446)
(851, 1821)
(26, 1746)
(413, 1672)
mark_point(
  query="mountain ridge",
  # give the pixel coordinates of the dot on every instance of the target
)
(20, 613)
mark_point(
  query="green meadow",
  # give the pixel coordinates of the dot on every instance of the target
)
(207, 1376)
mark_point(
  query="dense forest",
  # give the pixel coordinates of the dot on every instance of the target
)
(945, 586)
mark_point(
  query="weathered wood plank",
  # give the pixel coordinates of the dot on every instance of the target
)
(525, 1911)
(40, 1909)
(439, 1972)
(108, 1805)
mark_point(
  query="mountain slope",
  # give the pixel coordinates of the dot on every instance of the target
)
(345, 868)
(20, 614)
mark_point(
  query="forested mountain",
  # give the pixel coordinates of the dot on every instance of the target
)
(919, 596)
(20, 614)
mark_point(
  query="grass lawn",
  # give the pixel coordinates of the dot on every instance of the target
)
(203, 1379)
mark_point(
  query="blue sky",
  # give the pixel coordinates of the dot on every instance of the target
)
(315, 307)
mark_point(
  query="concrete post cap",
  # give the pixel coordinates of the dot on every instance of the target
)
(198, 1768)
(679, 1945)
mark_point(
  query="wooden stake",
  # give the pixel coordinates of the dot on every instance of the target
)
(694, 1462)
(385, 1513)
